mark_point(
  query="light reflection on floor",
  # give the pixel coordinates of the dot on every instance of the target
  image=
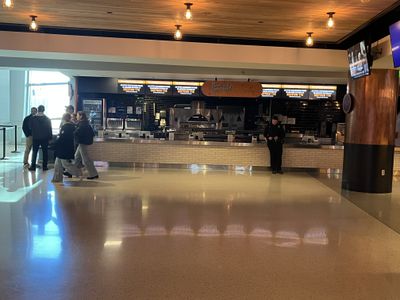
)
(191, 234)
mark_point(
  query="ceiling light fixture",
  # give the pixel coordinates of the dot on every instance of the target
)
(309, 40)
(8, 3)
(188, 13)
(330, 23)
(178, 33)
(33, 26)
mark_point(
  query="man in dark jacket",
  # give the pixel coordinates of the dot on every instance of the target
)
(65, 151)
(41, 135)
(274, 134)
(26, 128)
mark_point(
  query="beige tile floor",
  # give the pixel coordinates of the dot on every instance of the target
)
(189, 234)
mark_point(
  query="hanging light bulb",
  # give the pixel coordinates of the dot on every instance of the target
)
(309, 40)
(178, 33)
(33, 26)
(188, 13)
(330, 23)
(8, 3)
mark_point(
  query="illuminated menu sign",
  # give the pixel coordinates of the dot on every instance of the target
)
(271, 90)
(295, 91)
(159, 87)
(186, 88)
(323, 92)
(132, 86)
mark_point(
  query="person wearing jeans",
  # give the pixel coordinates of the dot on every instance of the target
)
(26, 128)
(84, 137)
(41, 135)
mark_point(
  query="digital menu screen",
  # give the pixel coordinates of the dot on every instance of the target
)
(323, 92)
(271, 90)
(186, 88)
(159, 88)
(132, 86)
(295, 91)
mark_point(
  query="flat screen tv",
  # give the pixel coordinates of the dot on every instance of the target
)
(395, 39)
(358, 60)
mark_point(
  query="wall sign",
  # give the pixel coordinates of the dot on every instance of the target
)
(234, 89)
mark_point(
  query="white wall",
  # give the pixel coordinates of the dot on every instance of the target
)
(4, 96)
(12, 100)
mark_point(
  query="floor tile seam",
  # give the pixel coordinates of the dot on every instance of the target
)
(367, 214)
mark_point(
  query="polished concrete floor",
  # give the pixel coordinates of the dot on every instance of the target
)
(191, 234)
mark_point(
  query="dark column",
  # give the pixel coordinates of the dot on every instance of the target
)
(370, 133)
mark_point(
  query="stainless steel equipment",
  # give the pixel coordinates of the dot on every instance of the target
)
(133, 124)
(115, 124)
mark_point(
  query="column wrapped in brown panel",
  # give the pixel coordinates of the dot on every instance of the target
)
(370, 133)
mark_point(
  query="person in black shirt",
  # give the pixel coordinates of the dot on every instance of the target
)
(274, 135)
(65, 151)
(26, 128)
(84, 135)
(41, 135)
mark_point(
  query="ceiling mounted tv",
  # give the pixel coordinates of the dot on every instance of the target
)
(395, 40)
(359, 61)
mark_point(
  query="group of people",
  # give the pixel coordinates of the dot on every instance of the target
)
(70, 147)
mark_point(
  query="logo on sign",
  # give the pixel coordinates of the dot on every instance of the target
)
(221, 86)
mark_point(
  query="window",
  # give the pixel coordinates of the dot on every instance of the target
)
(50, 89)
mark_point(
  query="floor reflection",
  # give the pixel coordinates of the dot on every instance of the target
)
(144, 234)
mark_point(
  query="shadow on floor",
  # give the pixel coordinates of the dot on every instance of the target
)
(85, 183)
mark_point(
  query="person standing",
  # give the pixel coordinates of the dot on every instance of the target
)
(65, 151)
(274, 135)
(26, 128)
(41, 135)
(84, 135)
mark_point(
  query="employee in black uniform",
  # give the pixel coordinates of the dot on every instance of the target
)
(274, 135)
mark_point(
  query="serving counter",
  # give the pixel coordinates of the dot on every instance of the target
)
(164, 152)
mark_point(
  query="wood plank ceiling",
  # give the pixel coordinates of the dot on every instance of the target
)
(286, 20)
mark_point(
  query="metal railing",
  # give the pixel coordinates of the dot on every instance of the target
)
(4, 129)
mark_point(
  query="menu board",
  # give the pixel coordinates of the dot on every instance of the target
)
(186, 88)
(295, 91)
(271, 90)
(323, 92)
(163, 88)
(132, 86)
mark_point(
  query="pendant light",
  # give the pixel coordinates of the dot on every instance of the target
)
(330, 23)
(8, 3)
(178, 33)
(309, 40)
(33, 26)
(188, 13)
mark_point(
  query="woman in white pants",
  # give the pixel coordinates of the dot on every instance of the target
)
(84, 137)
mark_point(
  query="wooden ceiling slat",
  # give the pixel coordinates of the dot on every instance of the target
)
(282, 19)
